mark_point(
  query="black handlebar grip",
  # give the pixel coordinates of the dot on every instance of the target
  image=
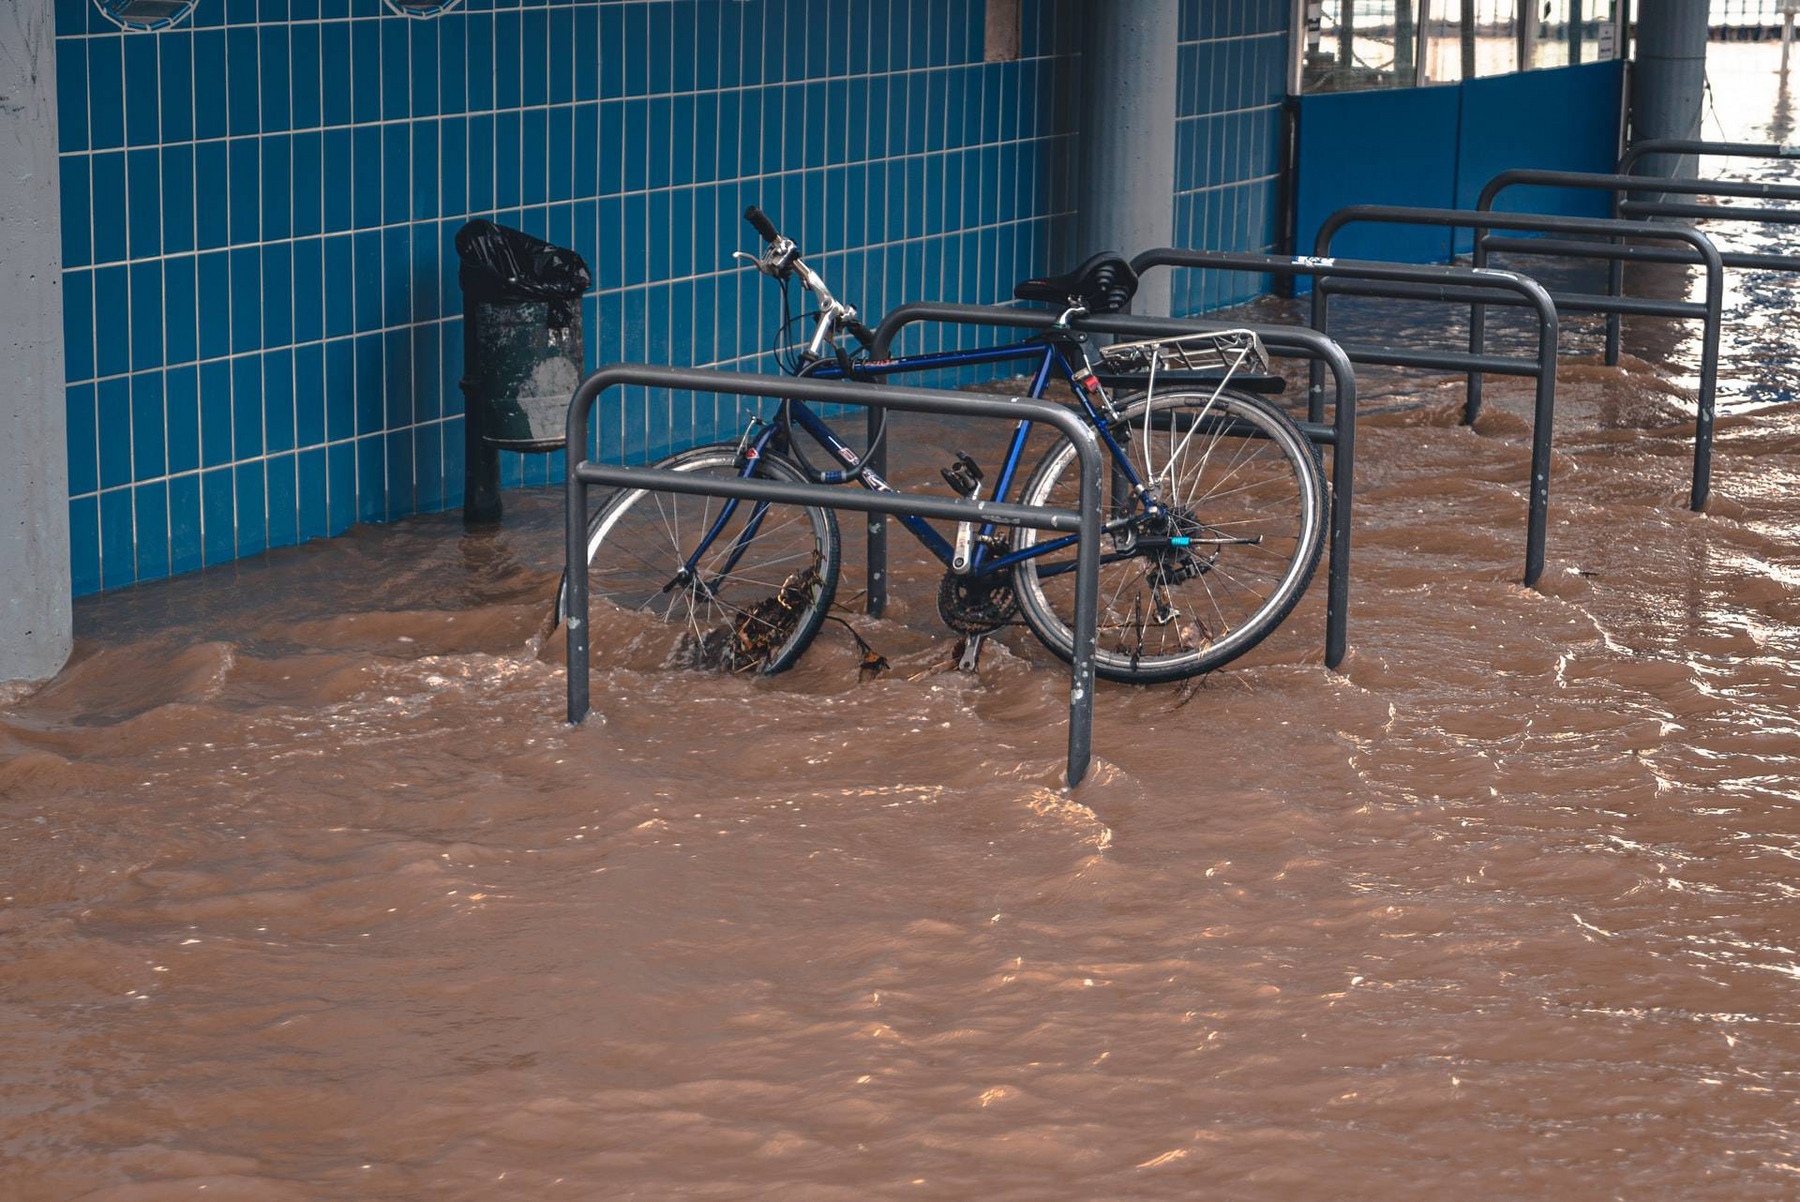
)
(861, 333)
(759, 221)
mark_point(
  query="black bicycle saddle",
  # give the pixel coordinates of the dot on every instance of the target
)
(1104, 284)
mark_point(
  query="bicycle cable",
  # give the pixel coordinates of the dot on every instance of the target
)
(794, 365)
(854, 474)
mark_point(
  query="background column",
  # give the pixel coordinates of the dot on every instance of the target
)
(35, 633)
(1125, 157)
(1669, 79)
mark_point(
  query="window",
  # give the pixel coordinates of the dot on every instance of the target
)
(1355, 45)
(1487, 45)
(144, 14)
(1560, 32)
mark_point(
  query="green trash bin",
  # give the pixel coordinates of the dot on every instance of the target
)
(523, 351)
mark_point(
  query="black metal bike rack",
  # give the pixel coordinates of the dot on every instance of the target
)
(1605, 240)
(1622, 184)
(1639, 151)
(1285, 341)
(583, 472)
(1401, 281)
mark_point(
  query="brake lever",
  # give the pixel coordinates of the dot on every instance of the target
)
(764, 264)
(776, 264)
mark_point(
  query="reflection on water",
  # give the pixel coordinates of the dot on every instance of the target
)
(308, 893)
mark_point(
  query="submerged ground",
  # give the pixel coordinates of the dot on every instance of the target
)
(306, 892)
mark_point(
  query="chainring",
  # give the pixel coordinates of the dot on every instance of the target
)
(977, 604)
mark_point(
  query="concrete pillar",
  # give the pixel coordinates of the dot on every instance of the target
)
(35, 633)
(1125, 197)
(1669, 81)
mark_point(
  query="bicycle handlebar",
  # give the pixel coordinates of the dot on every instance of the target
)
(759, 221)
(782, 260)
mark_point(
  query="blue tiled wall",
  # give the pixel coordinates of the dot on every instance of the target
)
(1232, 79)
(263, 324)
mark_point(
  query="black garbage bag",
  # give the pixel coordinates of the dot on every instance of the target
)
(501, 264)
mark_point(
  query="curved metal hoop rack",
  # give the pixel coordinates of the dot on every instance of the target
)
(1641, 197)
(1616, 240)
(583, 473)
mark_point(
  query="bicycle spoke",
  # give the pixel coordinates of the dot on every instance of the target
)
(642, 543)
(1227, 475)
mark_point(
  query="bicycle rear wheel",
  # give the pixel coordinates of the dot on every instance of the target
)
(1246, 501)
(753, 594)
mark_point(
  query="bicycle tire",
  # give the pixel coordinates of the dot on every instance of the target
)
(1055, 482)
(758, 576)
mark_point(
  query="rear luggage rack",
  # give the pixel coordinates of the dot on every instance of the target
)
(1266, 383)
(1216, 356)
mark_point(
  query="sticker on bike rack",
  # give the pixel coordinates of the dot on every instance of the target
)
(1312, 261)
(1789, 150)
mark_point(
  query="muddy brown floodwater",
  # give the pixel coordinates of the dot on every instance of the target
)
(309, 893)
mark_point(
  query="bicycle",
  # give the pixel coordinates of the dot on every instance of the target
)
(1217, 500)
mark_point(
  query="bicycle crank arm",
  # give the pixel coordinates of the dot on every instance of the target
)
(963, 557)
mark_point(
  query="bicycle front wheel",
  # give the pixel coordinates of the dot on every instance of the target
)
(1244, 497)
(751, 582)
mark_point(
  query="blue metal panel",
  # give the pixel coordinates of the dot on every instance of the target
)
(1386, 147)
(1455, 139)
(1562, 119)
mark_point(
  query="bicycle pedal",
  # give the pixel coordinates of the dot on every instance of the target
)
(964, 476)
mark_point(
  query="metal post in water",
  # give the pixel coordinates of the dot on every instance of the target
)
(1477, 337)
(1343, 490)
(875, 598)
(1615, 286)
(1543, 422)
(1315, 370)
(1709, 383)
(481, 460)
(575, 595)
(1087, 608)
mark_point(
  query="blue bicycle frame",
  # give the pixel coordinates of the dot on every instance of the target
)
(1049, 357)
